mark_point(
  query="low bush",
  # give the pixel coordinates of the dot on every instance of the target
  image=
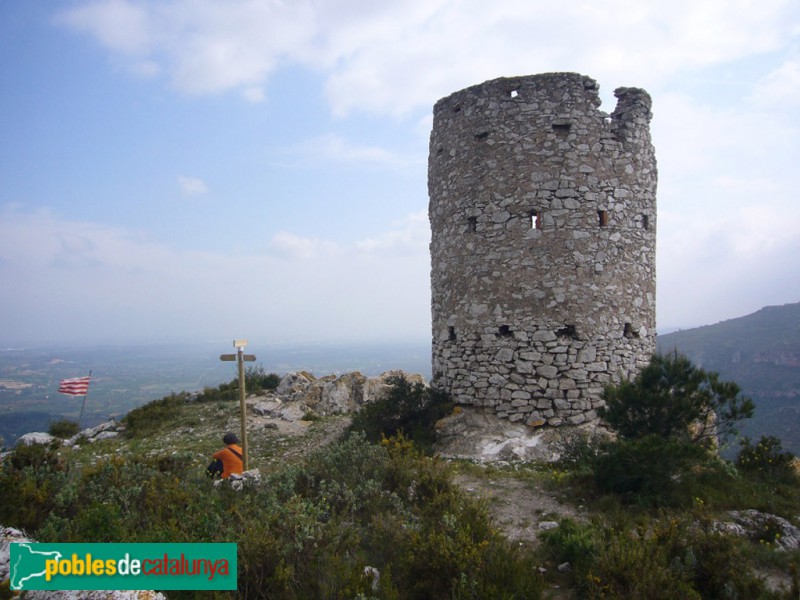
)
(650, 471)
(64, 428)
(766, 459)
(579, 452)
(258, 380)
(665, 558)
(30, 478)
(410, 408)
(153, 416)
(224, 392)
(315, 527)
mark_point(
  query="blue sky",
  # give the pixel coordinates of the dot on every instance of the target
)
(197, 170)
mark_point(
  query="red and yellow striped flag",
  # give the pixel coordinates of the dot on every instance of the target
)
(77, 386)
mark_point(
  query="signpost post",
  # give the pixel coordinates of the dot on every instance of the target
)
(240, 357)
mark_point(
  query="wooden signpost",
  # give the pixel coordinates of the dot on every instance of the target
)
(241, 358)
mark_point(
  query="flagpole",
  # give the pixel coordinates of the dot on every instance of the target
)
(84, 400)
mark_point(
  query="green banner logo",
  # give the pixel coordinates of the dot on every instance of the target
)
(122, 566)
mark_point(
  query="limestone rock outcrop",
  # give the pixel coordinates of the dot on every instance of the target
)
(103, 431)
(301, 394)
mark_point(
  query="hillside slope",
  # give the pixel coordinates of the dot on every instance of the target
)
(761, 353)
(338, 518)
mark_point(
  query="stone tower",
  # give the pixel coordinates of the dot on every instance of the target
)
(543, 219)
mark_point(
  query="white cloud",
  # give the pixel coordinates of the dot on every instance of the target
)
(120, 25)
(203, 46)
(391, 57)
(703, 148)
(191, 186)
(781, 87)
(254, 95)
(726, 209)
(334, 148)
(726, 264)
(74, 279)
(408, 237)
(421, 56)
(295, 247)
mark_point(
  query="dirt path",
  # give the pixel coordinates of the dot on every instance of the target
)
(520, 508)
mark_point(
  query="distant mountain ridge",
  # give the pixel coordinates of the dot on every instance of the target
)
(761, 353)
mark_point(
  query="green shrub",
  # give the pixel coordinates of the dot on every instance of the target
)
(224, 392)
(64, 428)
(668, 419)
(649, 471)
(573, 542)
(673, 399)
(388, 506)
(30, 477)
(665, 558)
(136, 500)
(152, 417)
(766, 459)
(578, 452)
(256, 379)
(410, 408)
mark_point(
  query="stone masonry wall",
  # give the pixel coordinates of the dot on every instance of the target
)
(543, 218)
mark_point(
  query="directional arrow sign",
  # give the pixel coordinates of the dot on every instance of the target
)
(245, 357)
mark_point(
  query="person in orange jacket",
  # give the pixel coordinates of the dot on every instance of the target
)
(230, 456)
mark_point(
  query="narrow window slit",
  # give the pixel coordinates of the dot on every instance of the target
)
(602, 216)
(645, 222)
(536, 219)
(630, 332)
(473, 223)
(451, 333)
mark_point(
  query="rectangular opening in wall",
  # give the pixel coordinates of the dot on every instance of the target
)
(504, 331)
(482, 136)
(645, 222)
(562, 128)
(536, 219)
(451, 333)
(567, 331)
(472, 223)
(513, 93)
(602, 216)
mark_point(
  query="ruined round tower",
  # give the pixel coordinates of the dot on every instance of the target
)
(543, 219)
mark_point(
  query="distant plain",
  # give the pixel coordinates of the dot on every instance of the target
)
(124, 377)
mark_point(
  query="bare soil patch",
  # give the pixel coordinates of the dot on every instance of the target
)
(520, 508)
